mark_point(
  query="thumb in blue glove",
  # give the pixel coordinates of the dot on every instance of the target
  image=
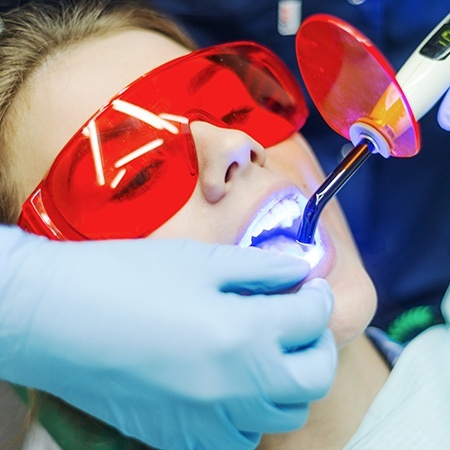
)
(444, 112)
(160, 327)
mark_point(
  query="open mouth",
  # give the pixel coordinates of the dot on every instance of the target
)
(274, 220)
(275, 228)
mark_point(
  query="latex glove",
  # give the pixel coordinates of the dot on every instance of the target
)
(445, 306)
(444, 112)
(149, 336)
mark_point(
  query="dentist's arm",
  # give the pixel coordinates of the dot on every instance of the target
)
(152, 336)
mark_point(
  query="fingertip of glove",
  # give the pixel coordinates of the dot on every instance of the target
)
(444, 121)
(443, 116)
(317, 283)
(321, 285)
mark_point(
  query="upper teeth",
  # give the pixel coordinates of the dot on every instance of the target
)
(281, 214)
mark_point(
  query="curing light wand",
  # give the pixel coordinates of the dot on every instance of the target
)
(330, 187)
(388, 123)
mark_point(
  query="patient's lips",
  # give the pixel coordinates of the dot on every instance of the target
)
(274, 227)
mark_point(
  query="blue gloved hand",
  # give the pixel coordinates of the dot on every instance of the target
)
(444, 112)
(150, 336)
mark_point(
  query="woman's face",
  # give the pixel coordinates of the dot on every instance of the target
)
(239, 181)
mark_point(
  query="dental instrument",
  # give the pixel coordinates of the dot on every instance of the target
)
(358, 94)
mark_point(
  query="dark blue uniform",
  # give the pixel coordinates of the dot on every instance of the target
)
(399, 210)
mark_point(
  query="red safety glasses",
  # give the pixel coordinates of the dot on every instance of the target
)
(133, 165)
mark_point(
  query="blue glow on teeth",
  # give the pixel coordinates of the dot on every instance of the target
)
(281, 214)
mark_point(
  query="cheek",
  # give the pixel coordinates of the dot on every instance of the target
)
(195, 220)
(181, 225)
(355, 302)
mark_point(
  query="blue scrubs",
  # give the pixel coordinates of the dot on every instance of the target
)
(399, 210)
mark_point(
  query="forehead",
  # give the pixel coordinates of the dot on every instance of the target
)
(71, 86)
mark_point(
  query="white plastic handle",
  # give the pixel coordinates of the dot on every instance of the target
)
(425, 76)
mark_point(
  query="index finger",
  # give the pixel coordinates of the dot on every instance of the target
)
(255, 271)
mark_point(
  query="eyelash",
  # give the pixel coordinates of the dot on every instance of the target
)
(139, 184)
(237, 116)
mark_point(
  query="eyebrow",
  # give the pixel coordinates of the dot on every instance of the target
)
(202, 77)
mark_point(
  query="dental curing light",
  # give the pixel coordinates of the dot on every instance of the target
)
(358, 94)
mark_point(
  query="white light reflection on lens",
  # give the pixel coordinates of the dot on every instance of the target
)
(144, 115)
(138, 153)
(91, 131)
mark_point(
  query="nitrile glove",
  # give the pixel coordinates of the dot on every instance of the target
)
(444, 112)
(150, 336)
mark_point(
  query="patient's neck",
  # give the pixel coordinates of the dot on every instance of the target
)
(332, 421)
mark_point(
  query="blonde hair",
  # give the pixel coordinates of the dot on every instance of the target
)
(34, 32)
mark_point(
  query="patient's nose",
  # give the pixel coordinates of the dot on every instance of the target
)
(223, 155)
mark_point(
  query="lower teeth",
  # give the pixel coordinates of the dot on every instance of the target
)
(281, 244)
